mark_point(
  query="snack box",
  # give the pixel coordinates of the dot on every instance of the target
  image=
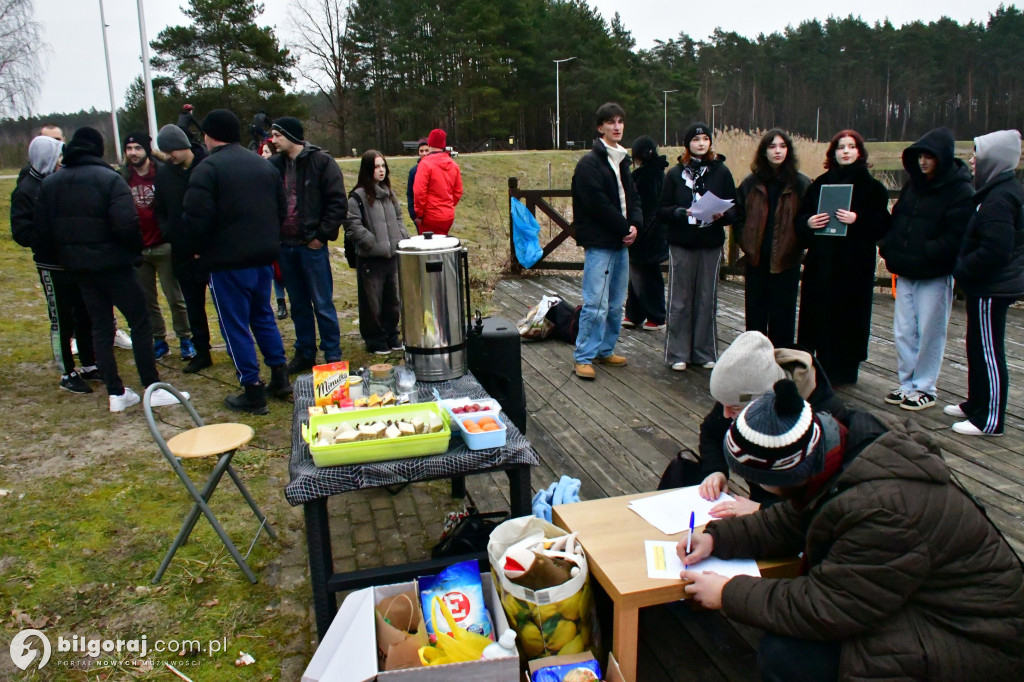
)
(364, 451)
(348, 650)
(492, 407)
(612, 673)
(477, 441)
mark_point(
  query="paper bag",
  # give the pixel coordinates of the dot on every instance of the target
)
(396, 648)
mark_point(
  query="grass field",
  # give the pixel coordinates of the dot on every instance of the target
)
(88, 506)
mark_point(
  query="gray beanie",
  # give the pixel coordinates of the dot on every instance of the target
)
(746, 370)
(172, 138)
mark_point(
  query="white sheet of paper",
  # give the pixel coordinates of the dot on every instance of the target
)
(670, 512)
(664, 564)
(705, 208)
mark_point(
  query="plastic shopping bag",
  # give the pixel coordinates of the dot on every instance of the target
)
(536, 325)
(455, 646)
(525, 235)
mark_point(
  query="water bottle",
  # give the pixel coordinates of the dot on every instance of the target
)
(504, 647)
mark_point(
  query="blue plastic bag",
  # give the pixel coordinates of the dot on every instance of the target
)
(525, 235)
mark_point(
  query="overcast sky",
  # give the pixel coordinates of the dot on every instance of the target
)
(75, 76)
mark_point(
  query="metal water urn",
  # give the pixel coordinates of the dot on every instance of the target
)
(433, 277)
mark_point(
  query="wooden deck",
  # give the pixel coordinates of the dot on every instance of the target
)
(617, 434)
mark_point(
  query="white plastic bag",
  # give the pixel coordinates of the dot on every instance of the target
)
(536, 325)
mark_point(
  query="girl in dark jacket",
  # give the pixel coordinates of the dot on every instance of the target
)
(645, 298)
(990, 270)
(839, 272)
(375, 227)
(767, 203)
(695, 250)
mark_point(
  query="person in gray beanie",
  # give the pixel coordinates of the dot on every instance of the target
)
(745, 371)
(901, 575)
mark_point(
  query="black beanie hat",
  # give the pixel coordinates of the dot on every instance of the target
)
(223, 126)
(290, 127)
(696, 129)
(777, 440)
(86, 140)
(140, 138)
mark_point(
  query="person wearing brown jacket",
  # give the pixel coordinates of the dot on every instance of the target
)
(902, 576)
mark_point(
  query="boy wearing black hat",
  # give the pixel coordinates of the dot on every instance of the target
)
(139, 171)
(315, 194)
(902, 576)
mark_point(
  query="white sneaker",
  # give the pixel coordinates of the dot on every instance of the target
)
(120, 403)
(122, 340)
(966, 428)
(161, 398)
(954, 411)
(679, 366)
(709, 365)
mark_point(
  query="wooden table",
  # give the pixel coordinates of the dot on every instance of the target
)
(613, 538)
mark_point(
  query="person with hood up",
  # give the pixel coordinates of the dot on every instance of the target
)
(990, 271)
(838, 282)
(437, 187)
(645, 297)
(68, 316)
(695, 250)
(902, 576)
(928, 223)
(87, 213)
(748, 369)
(169, 185)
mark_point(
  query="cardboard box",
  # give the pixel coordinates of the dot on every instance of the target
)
(611, 671)
(349, 649)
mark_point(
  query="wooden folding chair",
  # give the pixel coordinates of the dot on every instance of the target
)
(221, 440)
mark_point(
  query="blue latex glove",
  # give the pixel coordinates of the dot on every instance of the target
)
(542, 505)
(560, 491)
(572, 491)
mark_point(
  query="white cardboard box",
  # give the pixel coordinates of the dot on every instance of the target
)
(348, 652)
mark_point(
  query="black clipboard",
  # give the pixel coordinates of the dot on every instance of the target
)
(831, 199)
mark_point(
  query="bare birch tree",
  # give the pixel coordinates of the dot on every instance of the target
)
(21, 56)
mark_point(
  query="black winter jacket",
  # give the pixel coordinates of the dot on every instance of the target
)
(596, 212)
(991, 260)
(650, 245)
(86, 212)
(169, 194)
(319, 192)
(676, 194)
(233, 209)
(23, 220)
(929, 219)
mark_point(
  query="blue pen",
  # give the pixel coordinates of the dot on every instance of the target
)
(689, 538)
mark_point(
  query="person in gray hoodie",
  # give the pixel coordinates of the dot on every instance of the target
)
(990, 270)
(375, 227)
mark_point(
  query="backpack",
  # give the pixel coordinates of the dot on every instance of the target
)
(350, 247)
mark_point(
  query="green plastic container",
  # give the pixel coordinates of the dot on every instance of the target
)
(379, 450)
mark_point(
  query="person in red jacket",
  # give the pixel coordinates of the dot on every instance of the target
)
(438, 187)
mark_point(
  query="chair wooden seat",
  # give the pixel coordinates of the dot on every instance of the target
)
(212, 439)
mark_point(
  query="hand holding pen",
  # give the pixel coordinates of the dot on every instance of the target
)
(696, 547)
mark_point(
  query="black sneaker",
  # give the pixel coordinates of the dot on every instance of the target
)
(895, 397)
(93, 374)
(917, 401)
(74, 384)
(396, 343)
(301, 364)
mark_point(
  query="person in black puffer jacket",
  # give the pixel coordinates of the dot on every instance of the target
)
(928, 223)
(990, 270)
(86, 211)
(645, 298)
(695, 250)
(68, 315)
(233, 210)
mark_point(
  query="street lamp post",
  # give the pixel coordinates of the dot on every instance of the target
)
(558, 103)
(110, 86)
(665, 129)
(713, 115)
(817, 124)
(147, 80)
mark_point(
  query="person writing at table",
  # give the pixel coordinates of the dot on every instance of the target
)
(901, 576)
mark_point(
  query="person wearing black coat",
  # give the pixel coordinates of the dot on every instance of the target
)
(233, 209)
(86, 211)
(990, 271)
(170, 184)
(68, 315)
(695, 250)
(839, 272)
(767, 203)
(645, 297)
(606, 218)
(928, 223)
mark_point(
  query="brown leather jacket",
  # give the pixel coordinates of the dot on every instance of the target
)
(752, 207)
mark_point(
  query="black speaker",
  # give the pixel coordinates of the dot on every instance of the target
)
(495, 359)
